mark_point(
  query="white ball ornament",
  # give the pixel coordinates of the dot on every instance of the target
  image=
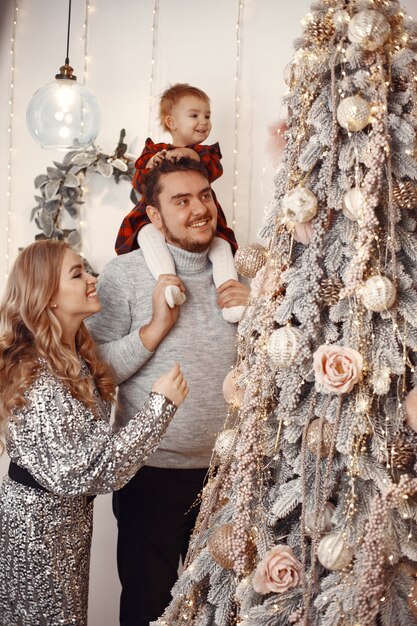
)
(341, 19)
(325, 524)
(354, 113)
(369, 30)
(299, 204)
(352, 203)
(333, 552)
(224, 443)
(284, 345)
(378, 294)
(232, 392)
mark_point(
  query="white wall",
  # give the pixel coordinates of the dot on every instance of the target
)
(195, 43)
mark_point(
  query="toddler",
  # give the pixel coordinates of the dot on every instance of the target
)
(185, 114)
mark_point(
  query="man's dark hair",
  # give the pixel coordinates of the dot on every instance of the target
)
(152, 186)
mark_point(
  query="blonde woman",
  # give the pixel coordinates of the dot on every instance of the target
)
(55, 396)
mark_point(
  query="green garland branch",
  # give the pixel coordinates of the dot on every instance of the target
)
(60, 189)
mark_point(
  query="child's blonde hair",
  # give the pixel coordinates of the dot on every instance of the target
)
(173, 95)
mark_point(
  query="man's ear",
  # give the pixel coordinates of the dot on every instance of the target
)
(154, 215)
(169, 123)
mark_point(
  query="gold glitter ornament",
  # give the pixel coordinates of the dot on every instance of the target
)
(354, 113)
(405, 194)
(250, 259)
(224, 443)
(220, 546)
(299, 204)
(313, 438)
(330, 290)
(334, 553)
(284, 345)
(401, 454)
(368, 30)
(352, 203)
(378, 294)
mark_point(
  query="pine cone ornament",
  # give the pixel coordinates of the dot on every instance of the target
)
(400, 83)
(330, 290)
(320, 31)
(405, 194)
(401, 454)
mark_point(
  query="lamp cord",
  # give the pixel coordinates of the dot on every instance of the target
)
(68, 33)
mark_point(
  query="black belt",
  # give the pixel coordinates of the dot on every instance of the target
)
(22, 476)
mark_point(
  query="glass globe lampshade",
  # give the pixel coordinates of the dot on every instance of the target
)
(64, 115)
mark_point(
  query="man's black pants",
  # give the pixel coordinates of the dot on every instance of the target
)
(155, 517)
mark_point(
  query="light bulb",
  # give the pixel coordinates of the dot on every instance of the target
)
(63, 115)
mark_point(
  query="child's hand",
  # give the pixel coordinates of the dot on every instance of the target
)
(172, 385)
(180, 153)
(156, 159)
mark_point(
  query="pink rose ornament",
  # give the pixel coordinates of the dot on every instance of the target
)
(278, 571)
(336, 368)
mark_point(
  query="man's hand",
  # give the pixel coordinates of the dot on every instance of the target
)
(180, 153)
(232, 293)
(163, 317)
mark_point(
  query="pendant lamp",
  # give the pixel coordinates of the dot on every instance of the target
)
(64, 114)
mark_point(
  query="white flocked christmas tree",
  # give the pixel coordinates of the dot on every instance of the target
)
(309, 516)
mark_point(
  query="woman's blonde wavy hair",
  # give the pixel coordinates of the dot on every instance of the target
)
(29, 330)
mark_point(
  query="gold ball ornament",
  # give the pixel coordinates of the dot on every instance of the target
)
(313, 440)
(220, 546)
(325, 523)
(225, 442)
(368, 30)
(299, 204)
(284, 345)
(334, 553)
(352, 203)
(354, 113)
(378, 294)
(250, 259)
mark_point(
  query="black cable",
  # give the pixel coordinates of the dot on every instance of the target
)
(68, 33)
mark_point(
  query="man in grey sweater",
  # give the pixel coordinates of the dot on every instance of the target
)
(139, 335)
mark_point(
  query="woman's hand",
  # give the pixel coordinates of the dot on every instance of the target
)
(172, 385)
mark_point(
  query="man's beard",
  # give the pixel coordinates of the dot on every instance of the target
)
(186, 243)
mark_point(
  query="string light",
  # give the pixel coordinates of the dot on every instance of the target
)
(10, 137)
(83, 186)
(85, 38)
(237, 111)
(154, 29)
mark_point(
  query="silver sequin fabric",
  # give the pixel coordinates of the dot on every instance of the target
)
(45, 537)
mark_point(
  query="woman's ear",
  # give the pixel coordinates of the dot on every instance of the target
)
(155, 216)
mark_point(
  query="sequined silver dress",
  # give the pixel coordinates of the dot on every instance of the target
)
(45, 537)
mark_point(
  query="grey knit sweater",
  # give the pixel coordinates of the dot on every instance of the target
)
(201, 341)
